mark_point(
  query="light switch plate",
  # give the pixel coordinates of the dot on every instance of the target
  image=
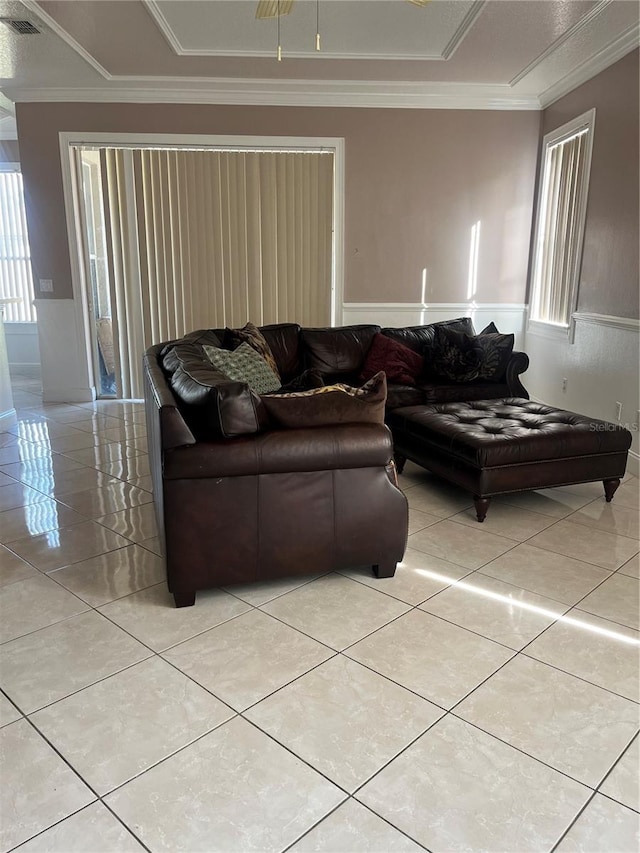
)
(46, 285)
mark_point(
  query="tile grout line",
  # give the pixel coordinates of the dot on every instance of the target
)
(380, 627)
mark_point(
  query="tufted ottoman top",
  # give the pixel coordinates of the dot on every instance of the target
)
(509, 431)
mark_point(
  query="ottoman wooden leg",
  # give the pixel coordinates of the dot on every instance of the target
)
(400, 460)
(184, 599)
(384, 570)
(482, 506)
(610, 487)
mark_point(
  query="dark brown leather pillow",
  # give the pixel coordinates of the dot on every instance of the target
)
(214, 405)
(183, 353)
(333, 404)
(340, 350)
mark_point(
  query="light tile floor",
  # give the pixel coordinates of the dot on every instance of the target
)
(483, 699)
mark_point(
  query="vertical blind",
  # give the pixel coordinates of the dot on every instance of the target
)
(558, 243)
(206, 239)
(15, 259)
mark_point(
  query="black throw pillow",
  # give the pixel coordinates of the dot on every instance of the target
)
(456, 356)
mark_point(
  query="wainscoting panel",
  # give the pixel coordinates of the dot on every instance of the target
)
(66, 374)
(23, 349)
(601, 369)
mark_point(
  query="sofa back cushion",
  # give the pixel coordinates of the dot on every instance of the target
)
(337, 351)
(284, 342)
(421, 338)
(188, 349)
(415, 338)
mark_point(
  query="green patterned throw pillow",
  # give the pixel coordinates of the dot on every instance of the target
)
(244, 365)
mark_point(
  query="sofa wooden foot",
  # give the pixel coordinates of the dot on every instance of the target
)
(482, 506)
(384, 570)
(610, 487)
(400, 460)
(184, 599)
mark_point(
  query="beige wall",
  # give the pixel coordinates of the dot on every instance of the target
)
(609, 281)
(9, 151)
(416, 182)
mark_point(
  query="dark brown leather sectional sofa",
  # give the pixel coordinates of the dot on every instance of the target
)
(239, 501)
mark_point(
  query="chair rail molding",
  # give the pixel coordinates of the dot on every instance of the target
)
(627, 323)
(508, 317)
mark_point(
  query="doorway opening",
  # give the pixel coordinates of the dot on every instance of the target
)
(182, 237)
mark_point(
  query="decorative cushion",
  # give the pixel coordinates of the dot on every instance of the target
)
(491, 329)
(251, 335)
(333, 404)
(400, 363)
(456, 356)
(244, 365)
(496, 352)
(459, 357)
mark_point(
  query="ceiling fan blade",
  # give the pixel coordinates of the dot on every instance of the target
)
(273, 8)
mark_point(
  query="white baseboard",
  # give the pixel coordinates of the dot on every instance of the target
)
(64, 394)
(8, 419)
(29, 369)
(633, 463)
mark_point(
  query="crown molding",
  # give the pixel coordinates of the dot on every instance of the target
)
(298, 93)
(157, 16)
(626, 42)
(566, 35)
(463, 30)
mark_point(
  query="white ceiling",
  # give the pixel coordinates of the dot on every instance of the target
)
(501, 54)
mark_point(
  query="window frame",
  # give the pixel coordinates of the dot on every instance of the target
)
(585, 121)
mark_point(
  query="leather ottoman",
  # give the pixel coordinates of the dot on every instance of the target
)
(493, 447)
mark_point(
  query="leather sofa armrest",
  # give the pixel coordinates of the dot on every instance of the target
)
(161, 410)
(518, 364)
(285, 451)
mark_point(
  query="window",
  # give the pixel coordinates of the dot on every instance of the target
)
(15, 260)
(562, 203)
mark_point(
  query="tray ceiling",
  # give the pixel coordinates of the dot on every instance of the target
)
(503, 54)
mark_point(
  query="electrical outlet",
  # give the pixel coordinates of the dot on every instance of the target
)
(618, 411)
(565, 382)
(46, 285)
